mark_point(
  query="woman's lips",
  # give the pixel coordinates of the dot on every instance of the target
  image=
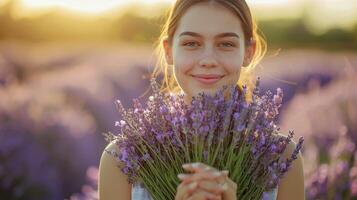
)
(207, 79)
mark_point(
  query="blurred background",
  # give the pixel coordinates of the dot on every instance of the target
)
(63, 64)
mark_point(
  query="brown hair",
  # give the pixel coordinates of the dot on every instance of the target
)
(241, 9)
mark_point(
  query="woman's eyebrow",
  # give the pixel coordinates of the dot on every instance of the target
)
(221, 35)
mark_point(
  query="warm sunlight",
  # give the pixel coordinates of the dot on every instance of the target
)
(269, 2)
(85, 6)
(98, 6)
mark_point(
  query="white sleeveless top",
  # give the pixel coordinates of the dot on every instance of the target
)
(138, 192)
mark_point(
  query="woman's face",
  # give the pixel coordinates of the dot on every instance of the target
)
(208, 49)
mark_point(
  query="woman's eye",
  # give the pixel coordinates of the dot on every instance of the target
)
(222, 44)
(227, 44)
(190, 44)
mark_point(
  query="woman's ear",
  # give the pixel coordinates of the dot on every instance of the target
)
(168, 51)
(249, 52)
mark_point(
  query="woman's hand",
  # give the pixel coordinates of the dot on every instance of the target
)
(206, 180)
(202, 186)
(191, 191)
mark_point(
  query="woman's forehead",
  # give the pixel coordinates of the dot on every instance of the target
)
(207, 20)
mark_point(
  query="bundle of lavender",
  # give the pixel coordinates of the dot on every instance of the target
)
(224, 131)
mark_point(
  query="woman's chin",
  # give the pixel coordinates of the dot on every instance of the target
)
(211, 92)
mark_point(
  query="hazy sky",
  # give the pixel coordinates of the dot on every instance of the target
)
(322, 14)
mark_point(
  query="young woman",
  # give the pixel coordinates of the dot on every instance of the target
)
(205, 44)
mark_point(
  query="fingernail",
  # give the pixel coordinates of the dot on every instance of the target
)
(195, 165)
(224, 187)
(181, 176)
(186, 165)
(226, 172)
(217, 174)
(192, 185)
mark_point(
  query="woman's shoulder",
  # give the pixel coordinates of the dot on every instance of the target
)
(112, 182)
(291, 185)
(107, 159)
(112, 147)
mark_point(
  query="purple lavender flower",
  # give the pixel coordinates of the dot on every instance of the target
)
(226, 132)
(318, 184)
(89, 190)
(21, 162)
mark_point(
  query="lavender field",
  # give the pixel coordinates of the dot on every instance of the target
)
(56, 100)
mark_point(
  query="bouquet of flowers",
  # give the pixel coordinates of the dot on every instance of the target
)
(224, 131)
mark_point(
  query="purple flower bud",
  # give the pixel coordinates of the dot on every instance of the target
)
(196, 125)
(283, 167)
(175, 121)
(236, 115)
(183, 120)
(262, 140)
(273, 148)
(160, 137)
(168, 117)
(163, 109)
(240, 127)
(193, 116)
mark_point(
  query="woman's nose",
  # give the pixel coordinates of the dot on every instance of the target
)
(208, 59)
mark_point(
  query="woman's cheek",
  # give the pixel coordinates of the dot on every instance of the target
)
(180, 76)
(183, 66)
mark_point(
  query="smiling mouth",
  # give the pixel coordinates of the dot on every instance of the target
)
(208, 79)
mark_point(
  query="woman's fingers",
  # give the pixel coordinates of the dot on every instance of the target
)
(232, 184)
(206, 175)
(209, 180)
(197, 167)
(201, 167)
(192, 191)
(185, 190)
(206, 181)
(211, 186)
(203, 195)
